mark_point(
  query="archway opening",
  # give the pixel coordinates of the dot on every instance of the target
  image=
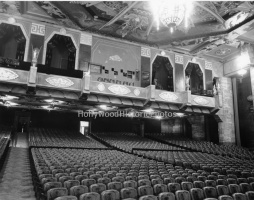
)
(162, 76)
(12, 42)
(61, 53)
(195, 74)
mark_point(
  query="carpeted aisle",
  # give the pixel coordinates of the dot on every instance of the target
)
(15, 178)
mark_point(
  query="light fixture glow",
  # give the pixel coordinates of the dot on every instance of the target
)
(9, 97)
(131, 114)
(49, 100)
(179, 114)
(104, 107)
(45, 107)
(9, 103)
(242, 72)
(243, 59)
(158, 117)
(148, 110)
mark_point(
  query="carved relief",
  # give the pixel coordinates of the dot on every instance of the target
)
(86, 39)
(38, 29)
(59, 82)
(119, 89)
(178, 59)
(101, 87)
(201, 101)
(6, 74)
(146, 52)
(167, 96)
(136, 92)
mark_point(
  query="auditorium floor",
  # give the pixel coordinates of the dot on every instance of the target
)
(16, 178)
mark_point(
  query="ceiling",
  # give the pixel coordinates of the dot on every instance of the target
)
(210, 31)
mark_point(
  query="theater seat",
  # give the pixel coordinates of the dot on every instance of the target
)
(90, 196)
(159, 188)
(56, 192)
(234, 188)
(145, 190)
(88, 182)
(50, 185)
(199, 184)
(197, 194)
(129, 192)
(66, 198)
(245, 187)
(133, 184)
(173, 187)
(250, 195)
(70, 183)
(239, 196)
(210, 192)
(48, 179)
(182, 195)
(98, 187)
(225, 197)
(148, 197)
(110, 195)
(166, 196)
(78, 190)
(222, 190)
(115, 186)
(187, 185)
(62, 179)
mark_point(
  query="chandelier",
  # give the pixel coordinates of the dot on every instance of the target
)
(172, 16)
(170, 13)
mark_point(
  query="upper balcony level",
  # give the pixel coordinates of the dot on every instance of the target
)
(75, 65)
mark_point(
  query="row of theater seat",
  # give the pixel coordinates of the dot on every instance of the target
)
(206, 147)
(94, 171)
(5, 133)
(61, 138)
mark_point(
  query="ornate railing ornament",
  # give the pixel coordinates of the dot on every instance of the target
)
(35, 55)
(187, 82)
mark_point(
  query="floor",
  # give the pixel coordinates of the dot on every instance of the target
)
(15, 177)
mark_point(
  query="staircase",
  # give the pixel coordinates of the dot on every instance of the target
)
(15, 177)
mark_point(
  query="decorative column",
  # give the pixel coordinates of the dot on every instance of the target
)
(145, 66)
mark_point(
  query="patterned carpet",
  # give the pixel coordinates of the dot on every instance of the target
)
(16, 178)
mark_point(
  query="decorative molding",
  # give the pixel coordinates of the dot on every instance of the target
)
(201, 101)
(63, 31)
(38, 29)
(116, 58)
(208, 65)
(119, 89)
(86, 39)
(101, 87)
(6, 74)
(146, 52)
(60, 82)
(167, 96)
(136, 92)
(178, 59)
(11, 20)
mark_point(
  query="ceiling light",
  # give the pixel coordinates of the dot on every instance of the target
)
(9, 103)
(158, 117)
(179, 114)
(9, 97)
(49, 100)
(242, 72)
(46, 107)
(131, 114)
(149, 110)
(104, 107)
(243, 59)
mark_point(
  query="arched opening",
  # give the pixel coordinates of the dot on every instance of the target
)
(195, 74)
(162, 76)
(61, 53)
(12, 42)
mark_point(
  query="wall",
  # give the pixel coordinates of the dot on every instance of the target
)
(198, 127)
(172, 127)
(121, 62)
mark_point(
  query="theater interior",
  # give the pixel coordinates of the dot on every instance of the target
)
(127, 100)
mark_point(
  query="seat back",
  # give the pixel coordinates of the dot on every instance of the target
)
(110, 195)
(66, 198)
(222, 190)
(197, 194)
(129, 192)
(50, 185)
(199, 184)
(166, 196)
(250, 195)
(159, 188)
(88, 182)
(187, 185)
(183, 195)
(98, 187)
(210, 192)
(115, 186)
(62, 179)
(173, 187)
(145, 190)
(78, 190)
(225, 197)
(245, 187)
(56, 192)
(70, 183)
(234, 188)
(90, 196)
(239, 196)
(148, 197)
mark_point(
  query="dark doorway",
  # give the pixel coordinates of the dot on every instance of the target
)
(195, 74)
(162, 76)
(187, 128)
(211, 128)
(12, 42)
(61, 53)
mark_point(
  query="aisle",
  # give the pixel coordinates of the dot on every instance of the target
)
(16, 178)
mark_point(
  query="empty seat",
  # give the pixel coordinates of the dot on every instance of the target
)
(221, 182)
(145, 190)
(88, 182)
(210, 183)
(250, 195)
(210, 192)
(173, 187)
(159, 188)
(182, 195)
(56, 192)
(222, 190)
(156, 181)
(231, 181)
(99, 188)
(110, 195)
(197, 194)
(133, 184)
(48, 179)
(199, 184)
(242, 180)
(62, 179)
(148, 197)
(187, 185)
(234, 188)
(129, 192)
(168, 180)
(90, 196)
(118, 179)
(70, 183)
(225, 197)
(115, 186)
(239, 196)
(245, 187)
(66, 198)
(104, 180)
(78, 190)
(50, 185)
(166, 196)
(80, 177)
(144, 182)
